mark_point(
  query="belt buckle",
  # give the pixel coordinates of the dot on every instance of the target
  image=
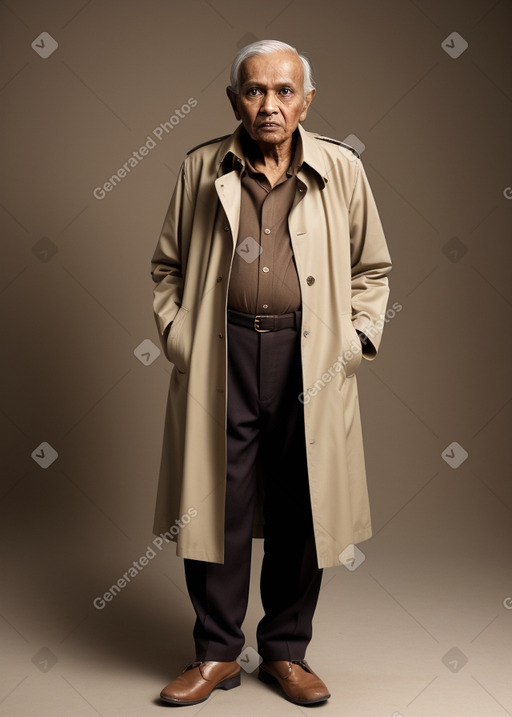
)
(256, 326)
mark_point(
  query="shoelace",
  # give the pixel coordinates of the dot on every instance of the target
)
(302, 663)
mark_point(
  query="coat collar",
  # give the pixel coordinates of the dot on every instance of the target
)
(231, 155)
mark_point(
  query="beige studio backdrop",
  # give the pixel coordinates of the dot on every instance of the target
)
(422, 88)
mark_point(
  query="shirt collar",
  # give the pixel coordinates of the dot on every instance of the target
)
(307, 155)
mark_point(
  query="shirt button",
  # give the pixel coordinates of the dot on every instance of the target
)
(219, 278)
(265, 269)
(267, 231)
(226, 229)
(310, 280)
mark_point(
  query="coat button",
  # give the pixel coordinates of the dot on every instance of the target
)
(219, 278)
(310, 280)
(305, 334)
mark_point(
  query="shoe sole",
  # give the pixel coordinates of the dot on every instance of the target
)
(227, 684)
(269, 679)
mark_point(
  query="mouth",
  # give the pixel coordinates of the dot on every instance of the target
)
(268, 125)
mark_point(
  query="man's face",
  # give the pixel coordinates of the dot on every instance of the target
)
(271, 101)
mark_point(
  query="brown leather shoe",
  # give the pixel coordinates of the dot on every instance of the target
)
(199, 679)
(297, 680)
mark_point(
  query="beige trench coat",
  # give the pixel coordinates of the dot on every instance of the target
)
(342, 262)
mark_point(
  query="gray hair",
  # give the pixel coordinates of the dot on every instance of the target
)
(267, 47)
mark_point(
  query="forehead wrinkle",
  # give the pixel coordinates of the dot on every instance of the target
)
(281, 82)
(275, 68)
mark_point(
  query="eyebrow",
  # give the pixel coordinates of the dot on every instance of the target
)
(255, 83)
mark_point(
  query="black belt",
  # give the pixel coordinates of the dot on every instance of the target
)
(265, 322)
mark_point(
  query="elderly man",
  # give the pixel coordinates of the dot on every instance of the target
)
(271, 284)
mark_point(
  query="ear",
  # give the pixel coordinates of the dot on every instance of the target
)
(308, 99)
(233, 98)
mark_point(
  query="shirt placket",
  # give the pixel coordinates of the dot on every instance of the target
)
(265, 299)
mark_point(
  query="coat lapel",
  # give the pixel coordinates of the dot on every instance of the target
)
(228, 189)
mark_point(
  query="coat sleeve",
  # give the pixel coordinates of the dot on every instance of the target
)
(370, 263)
(167, 268)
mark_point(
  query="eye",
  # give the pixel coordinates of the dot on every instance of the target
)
(286, 91)
(252, 91)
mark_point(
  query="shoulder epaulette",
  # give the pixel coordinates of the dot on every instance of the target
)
(336, 141)
(210, 141)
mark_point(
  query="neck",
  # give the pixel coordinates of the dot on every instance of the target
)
(270, 156)
(274, 156)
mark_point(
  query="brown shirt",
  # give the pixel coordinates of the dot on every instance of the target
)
(264, 276)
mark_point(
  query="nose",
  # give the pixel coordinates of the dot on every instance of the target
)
(269, 103)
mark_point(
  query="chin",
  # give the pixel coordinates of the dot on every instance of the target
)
(271, 137)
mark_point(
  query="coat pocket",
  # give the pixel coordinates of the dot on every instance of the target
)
(352, 347)
(176, 346)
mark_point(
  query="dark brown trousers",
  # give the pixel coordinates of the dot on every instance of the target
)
(265, 423)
